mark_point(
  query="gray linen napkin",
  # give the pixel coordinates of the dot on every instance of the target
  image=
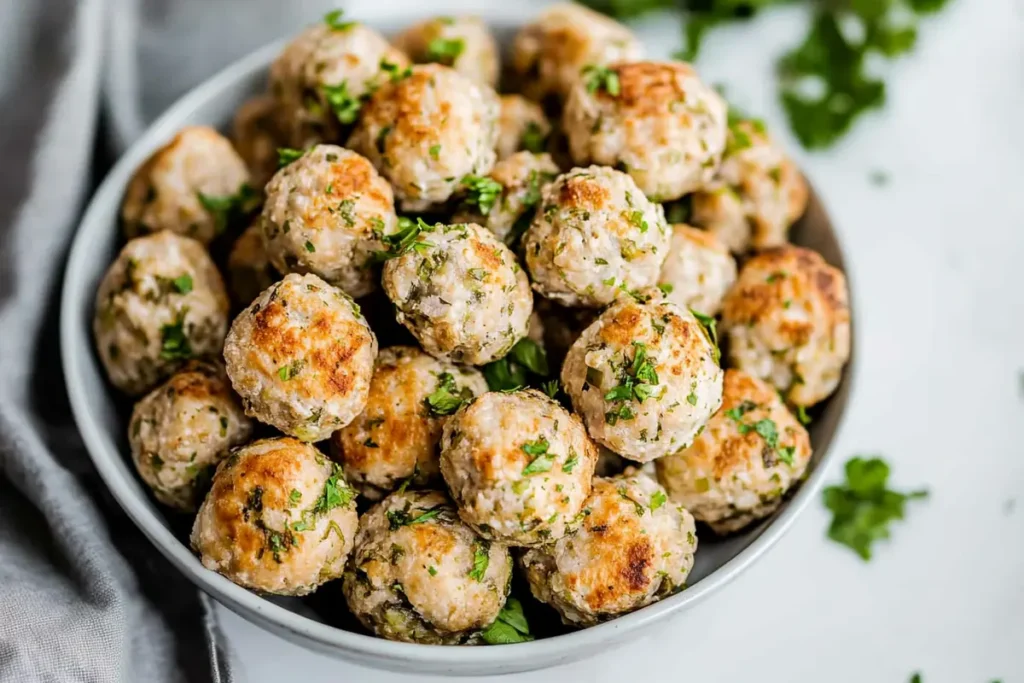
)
(83, 595)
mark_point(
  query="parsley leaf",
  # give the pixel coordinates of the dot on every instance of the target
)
(658, 499)
(447, 397)
(333, 20)
(406, 239)
(542, 460)
(482, 191)
(533, 139)
(481, 558)
(182, 283)
(445, 50)
(400, 518)
(510, 626)
(710, 326)
(638, 379)
(345, 106)
(286, 155)
(230, 210)
(526, 358)
(175, 344)
(601, 78)
(863, 508)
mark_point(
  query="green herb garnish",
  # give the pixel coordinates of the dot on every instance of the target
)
(510, 626)
(862, 507)
(601, 78)
(345, 106)
(481, 558)
(482, 191)
(175, 344)
(445, 50)
(447, 397)
(333, 20)
(286, 155)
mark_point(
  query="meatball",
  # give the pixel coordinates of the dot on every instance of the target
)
(518, 466)
(325, 214)
(594, 236)
(699, 270)
(633, 548)
(301, 357)
(191, 186)
(757, 194)
(656, 121)
(420, 575)
(737, 471)
(161, 302)
(321, 79)
(644, 377)
(255, 136)
(249, 269)
(427, 131)
(463, 43)
(279, 519)
(521, 126)
(787, 321)
(504, 202)
(461, 293)
(182, 429)
(549, 53)
(397, 436)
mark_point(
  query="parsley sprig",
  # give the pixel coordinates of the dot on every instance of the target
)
(510, 626)
(447, 397)
(406, 239)
(862, 507)
(482, 191)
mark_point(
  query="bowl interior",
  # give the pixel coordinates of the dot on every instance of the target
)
(320, 620)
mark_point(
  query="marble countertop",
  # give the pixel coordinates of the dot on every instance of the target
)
(936, 261)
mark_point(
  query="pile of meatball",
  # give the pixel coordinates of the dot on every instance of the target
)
(391, 178)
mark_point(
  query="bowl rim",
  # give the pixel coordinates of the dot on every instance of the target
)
(245, 602)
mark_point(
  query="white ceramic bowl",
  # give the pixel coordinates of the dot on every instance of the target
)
(99, 414)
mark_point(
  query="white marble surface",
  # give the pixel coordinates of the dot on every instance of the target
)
(937, 264)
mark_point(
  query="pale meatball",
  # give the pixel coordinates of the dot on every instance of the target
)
(518, 466)
(249, 268)
(549, 53)
(427, 131)
(633, 548)
(757, 194)
(301, 357)
(161, 302)
(594, 236)
(396, 438)
(522, 126)
(325, 213)
(461, 293)
(279, 519)
(194, 185)
(504, 201)
(698, 272)
(644, 377)
(656, 121)
(256, 137)
(420, 575)
(787, 321)
(182, 429)
(463, 43)
(740, 467)
(322, 78)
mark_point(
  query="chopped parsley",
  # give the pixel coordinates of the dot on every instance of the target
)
(175, 344)
(182, 283)
(397, 73)
(481, 558)
(447, 397)
(765, 428)
(286, 155)
(310, 247)
(533, 139)
(400, 518)
(551, 388)
(801, 414)
(482, 191)
(862, 507)
(666, 288)
(435, 151)
(542, 460)
(431, 570)
(406, 239)
(710, 326)
(445, 50)
(658, 499)
(601, 78)
(334, 495)
(638, 379)
(527, 358)
(571, 462)
(344, 105)
(510, 626)
(333, 20)
(230, 210)
(290, 371)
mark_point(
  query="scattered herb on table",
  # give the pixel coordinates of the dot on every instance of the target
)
(862, 507)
